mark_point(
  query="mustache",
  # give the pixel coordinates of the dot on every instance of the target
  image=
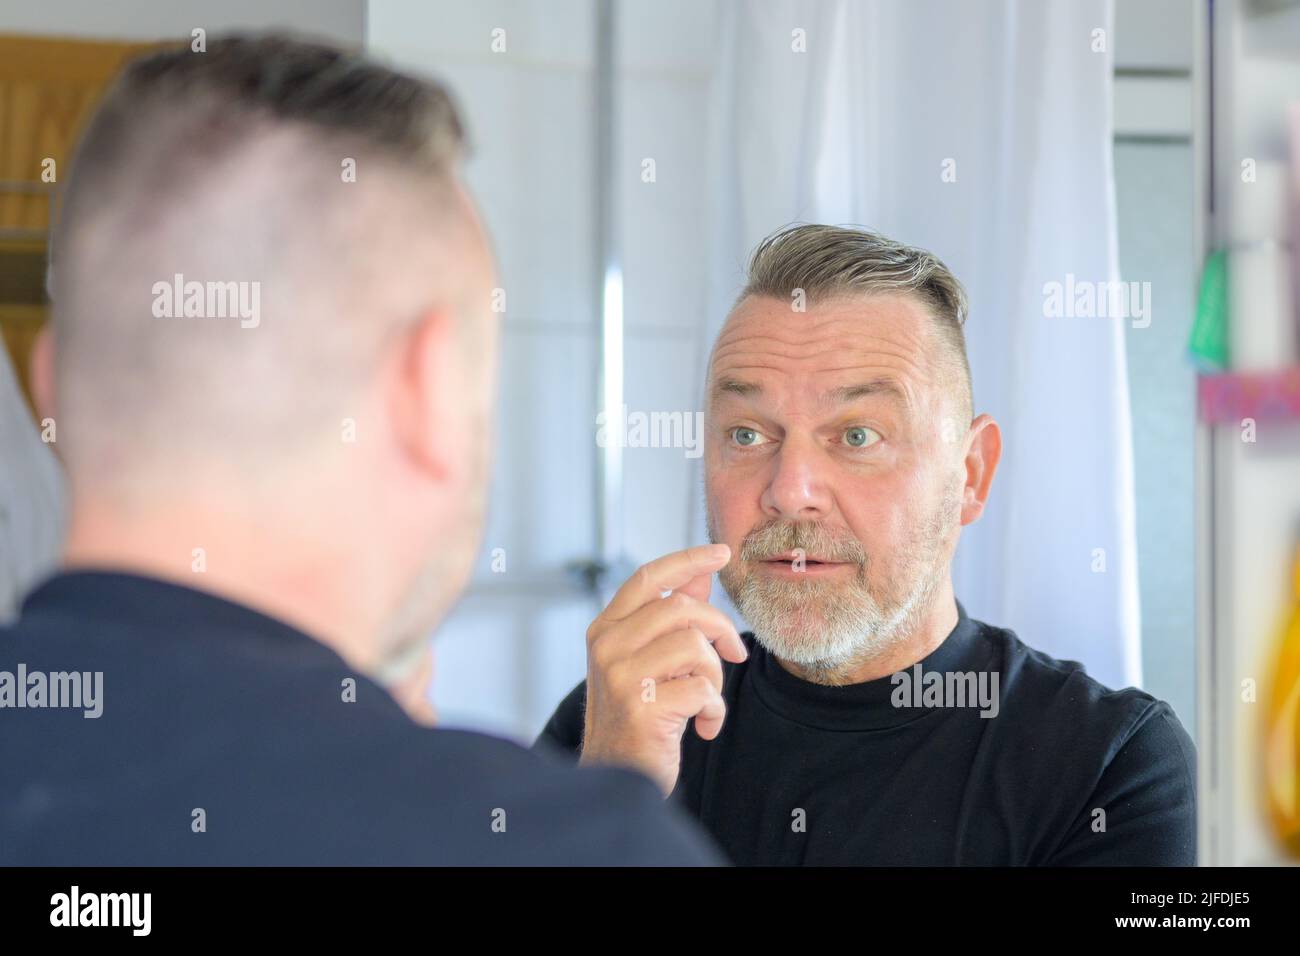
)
(813, 539)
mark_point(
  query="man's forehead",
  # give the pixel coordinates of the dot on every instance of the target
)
(843, 349)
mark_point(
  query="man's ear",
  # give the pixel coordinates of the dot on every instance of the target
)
(983, 450)
(423, 393)
(41, 368)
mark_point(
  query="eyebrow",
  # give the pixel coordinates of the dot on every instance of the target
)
(876, 386)
(838, 396)
(734, 386)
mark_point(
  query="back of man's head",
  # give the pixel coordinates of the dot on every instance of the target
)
(242, 231)
(272, 334)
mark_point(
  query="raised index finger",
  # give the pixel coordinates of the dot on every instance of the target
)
(665, 574)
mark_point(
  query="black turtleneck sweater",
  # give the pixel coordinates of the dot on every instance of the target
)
(207, 711)
(895, 772)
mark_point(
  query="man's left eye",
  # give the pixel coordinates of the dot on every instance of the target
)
(859, 437)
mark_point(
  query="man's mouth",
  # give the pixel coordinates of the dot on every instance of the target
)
(792, 563)
(789, 557)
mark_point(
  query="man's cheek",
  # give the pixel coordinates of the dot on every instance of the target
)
(728, 511)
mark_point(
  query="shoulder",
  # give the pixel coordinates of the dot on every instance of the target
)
(294, 770)
(1075, 703)
(1121, 745)
(1056, 708)
(446, 795)
(1122, 751)
(502, 803)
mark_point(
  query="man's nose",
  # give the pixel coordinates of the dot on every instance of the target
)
(798, 490)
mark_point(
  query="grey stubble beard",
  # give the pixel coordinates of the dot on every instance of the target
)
(828, 629)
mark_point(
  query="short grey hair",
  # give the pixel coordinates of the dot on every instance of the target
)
(226, 165)
(329, 90)
(829, 262)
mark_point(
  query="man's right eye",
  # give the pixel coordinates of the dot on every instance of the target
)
(746, 437)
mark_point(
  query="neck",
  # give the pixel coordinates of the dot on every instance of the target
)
(920, 633)
(274, 565)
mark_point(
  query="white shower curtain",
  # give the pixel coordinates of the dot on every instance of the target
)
(852, 112)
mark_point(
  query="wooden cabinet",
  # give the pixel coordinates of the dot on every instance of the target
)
(48, 87)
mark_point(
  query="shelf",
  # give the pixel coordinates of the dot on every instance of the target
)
(1264, 396)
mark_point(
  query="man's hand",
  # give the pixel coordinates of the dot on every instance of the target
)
(653, 664)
